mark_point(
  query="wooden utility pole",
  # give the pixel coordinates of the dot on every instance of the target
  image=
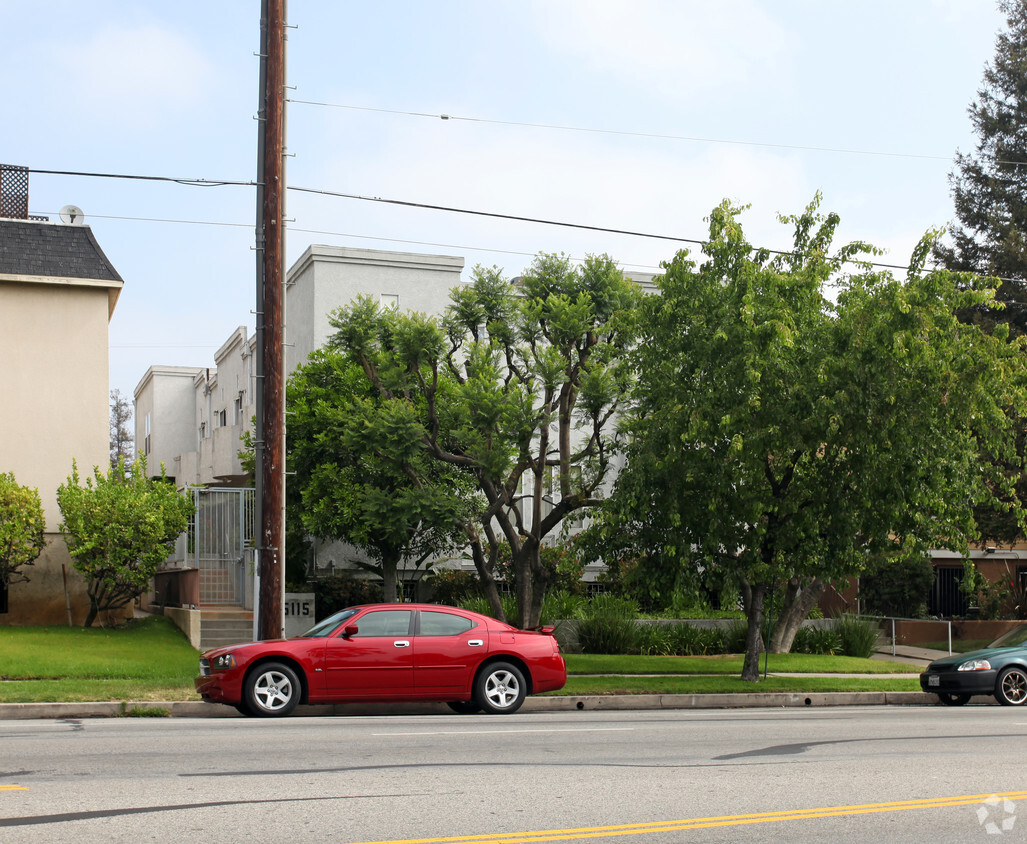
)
(270, 434)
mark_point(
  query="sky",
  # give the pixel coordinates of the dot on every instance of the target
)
(639, 116)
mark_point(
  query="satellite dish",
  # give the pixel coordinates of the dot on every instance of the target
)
(72, 215)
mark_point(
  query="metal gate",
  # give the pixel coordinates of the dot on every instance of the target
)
(220, 543)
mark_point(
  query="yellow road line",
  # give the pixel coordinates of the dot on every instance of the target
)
(711, 822)
(13, 787)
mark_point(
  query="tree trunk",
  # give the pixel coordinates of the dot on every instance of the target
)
(530, 592)
(485, 565)
(753, 596)
(800, 597)
(390, 563)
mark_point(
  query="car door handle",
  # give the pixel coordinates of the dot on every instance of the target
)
(475, 643)
(401, 643)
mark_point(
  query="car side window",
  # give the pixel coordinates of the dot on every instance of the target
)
(384, 623)
(444, 624)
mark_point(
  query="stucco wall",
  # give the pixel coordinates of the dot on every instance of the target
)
(53, 384)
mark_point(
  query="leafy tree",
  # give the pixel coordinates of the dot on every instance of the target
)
(22, 524)
(363, 473)
(782, 437)
(989, 187)
(122, 440)
(518, 386)
(897, 587)
(989, 191)
(119, 528)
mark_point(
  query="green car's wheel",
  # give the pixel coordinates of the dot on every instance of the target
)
(1011, 687)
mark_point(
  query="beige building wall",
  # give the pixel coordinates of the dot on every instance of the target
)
(53, 410)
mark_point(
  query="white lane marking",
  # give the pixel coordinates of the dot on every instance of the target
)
(503, 732)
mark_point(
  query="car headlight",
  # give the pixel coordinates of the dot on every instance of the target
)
(223, 662)
(975, 665)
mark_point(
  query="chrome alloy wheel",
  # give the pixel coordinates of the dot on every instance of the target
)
(502, 688)
(273, 691)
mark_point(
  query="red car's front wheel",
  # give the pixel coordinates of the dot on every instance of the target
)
(272, 689)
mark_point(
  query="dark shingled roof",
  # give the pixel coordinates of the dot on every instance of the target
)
(52, 250)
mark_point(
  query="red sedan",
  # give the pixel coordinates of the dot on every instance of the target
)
(383, 652)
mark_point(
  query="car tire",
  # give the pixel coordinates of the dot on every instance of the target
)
(1011, 686)
(463, 707)
(271, 690)
(499, 688)
(243, 709)
(952, 700)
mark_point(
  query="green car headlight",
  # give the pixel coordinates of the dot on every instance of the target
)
(975, 665)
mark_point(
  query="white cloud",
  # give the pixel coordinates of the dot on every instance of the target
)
(133, 74)
(683, 50)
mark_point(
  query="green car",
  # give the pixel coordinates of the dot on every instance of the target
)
(999, 669)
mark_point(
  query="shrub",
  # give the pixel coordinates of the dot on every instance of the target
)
(22, 525)
(654, 640)
(898, 587)
(735, 636)
(610, 606)
(451, 586)
(689, 640)
(339, 591)
(856, 636)
(557, 606)
(815, 640)
(608, 635)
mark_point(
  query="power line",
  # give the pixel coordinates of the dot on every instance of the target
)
(203, 183)
(446, 208)
(521, 219)
(631, 134)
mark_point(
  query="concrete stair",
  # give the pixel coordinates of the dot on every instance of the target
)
(224, 626)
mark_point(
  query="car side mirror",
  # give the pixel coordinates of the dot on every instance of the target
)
(349, 630)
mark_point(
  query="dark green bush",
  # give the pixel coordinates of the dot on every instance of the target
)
(689, 640)
(608, 635)
(815, 640)
(897, 587)
(857, 636)
(451, 586)
(339, 591)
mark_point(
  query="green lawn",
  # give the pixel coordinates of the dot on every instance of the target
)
(151, 660)
(729, 664)
(147, 659)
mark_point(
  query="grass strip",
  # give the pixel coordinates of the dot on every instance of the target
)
(684, 685)
(729, 664)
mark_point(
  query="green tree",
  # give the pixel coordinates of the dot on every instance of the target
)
(519, 384)
(22, 524)
(363, 474)
(781, 438)
(989, 186)
(119, 528)
(989, 191)
(122, 439)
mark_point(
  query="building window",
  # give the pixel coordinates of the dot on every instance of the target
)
(146, 434)
(238, 410)
(203, 430)
(390, 301)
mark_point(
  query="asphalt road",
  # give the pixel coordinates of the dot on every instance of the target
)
(853, 774)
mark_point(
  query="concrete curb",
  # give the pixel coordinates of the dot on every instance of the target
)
(555, 703)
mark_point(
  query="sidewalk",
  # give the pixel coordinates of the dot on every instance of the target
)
(918, 657)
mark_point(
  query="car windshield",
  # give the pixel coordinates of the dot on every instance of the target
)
(1011, 638)
(325, 627)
